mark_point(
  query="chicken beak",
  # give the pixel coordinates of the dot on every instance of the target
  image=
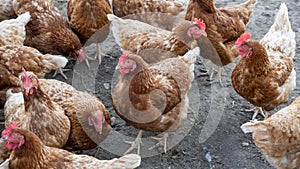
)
(117, 67)
(204, 33)
(234, 47)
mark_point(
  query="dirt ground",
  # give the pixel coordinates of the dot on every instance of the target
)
(211, 136)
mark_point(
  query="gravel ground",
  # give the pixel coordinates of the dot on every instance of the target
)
(211, 136)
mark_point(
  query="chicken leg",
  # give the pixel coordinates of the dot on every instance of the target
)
(136, 144)
(256, 111)
(99, 54)
(61, 72)
(219, 77)
(162, 141)
(210, 72)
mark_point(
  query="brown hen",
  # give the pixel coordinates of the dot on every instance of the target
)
(32, 109)
(29, 152)
(265, 74)
(223, 26)
(153, 97)
(136, 36)
(163, 14)
(89, 118)
(48, 31)
(87, 17)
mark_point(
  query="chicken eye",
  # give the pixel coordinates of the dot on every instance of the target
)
(14, 135)
(30, 77)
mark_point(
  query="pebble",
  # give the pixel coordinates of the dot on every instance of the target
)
(106, 86)
(245, 144)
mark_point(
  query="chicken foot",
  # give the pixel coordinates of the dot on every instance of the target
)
(99, 54)
(136, 144)
(219, 78)
(162, 141)
(61, 72)
(256, 111)
(210, 72)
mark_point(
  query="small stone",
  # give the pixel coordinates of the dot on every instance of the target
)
(208, 157)
(245, 144)
(106, 86)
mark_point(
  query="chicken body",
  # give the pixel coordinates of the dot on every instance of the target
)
(14, 57)
(87, 16)
(135, 36)
(154, 97)
(278, 136)
(123, 8)
(85, 112)
(12, 31)
(266, 76)
(38, 114)
(34, 154)
(47, 30)
(164, 14)
(6, 10)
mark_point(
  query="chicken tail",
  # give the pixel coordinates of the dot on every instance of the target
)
(281, 35)
(191, 56)
(24, 18)
(251, 127)
(53, 62)
(112, 17)
(244, 10)
(126, 161)
(282, 21)
(5, 164)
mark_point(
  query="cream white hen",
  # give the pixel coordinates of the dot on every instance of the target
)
(12, 31)
(278, 137)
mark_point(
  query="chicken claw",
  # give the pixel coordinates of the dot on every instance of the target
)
(256, 111)
(136, 144)
(61, 72)
(99, 54)
(219, 77)
(162, 141)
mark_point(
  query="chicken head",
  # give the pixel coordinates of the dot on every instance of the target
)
(13, 139)
(96, 120)
(125, 64)
(242, 45)
(29, 82)
(197, 30)
(77, 55)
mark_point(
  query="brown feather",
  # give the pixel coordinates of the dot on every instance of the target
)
(87, 16)
(47, 30)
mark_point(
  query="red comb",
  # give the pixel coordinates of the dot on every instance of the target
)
(200, 24)
(25, 73)
(122, 58)
(12, 126)
(243, 38)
